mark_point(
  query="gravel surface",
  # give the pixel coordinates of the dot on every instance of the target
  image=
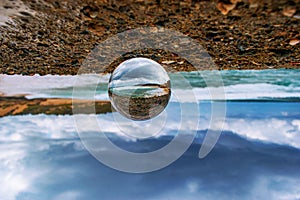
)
(55, 37)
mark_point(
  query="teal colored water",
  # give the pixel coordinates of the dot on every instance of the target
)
(281, 84)
(279, 77)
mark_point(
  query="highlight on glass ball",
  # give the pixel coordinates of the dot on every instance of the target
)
(139, 89)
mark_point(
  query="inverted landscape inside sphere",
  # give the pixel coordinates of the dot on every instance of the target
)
(139, 89)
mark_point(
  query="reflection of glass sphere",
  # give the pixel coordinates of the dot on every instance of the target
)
(139, 89)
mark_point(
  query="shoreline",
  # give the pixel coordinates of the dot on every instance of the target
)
(19, 105)
(164, 66)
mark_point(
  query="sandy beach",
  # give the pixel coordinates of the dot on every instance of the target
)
(23, 106)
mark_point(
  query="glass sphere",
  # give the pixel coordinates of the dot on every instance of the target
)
(139, 89)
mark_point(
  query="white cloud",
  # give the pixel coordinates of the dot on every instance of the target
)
(192, 187)
(19, 128)
(20, 137)
(296, 122)
(68, 195)
(276, 187)
(15, 177)
(29, 134)
(280, 131)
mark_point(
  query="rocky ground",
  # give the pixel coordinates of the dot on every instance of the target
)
(55, 37)
(139, 108)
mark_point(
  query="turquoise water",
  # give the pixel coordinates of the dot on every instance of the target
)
(278, 77)
(283, 84)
